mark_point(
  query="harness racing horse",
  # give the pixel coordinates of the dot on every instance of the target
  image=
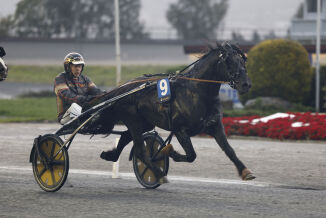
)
(194, 108)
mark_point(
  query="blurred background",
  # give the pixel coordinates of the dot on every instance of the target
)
(279, 38)
(45, 30)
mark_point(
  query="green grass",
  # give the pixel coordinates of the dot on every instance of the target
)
(101, 75)
(28, 109)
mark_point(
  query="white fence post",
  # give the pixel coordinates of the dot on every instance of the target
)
(115, 167)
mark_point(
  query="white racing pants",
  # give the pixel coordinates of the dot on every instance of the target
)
(3, 65)
(73, 111)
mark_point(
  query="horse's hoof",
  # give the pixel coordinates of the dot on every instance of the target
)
(247, 175)
(109, 156)
(163, 180)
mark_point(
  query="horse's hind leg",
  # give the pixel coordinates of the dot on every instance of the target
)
(136, 127)
(217, 131)
(113, 155)
(186, 144)
(140, 153)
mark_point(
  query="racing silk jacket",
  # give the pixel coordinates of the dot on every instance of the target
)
(70, 89)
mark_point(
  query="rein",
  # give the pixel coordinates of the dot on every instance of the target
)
(181, 77)
(203, 80)
(174, 76)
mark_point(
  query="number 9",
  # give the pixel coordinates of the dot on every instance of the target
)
(163, 87)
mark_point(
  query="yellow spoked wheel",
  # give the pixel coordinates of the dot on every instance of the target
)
(50, 171)
(144, 174)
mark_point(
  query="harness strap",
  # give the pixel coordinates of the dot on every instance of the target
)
(203, 80)
(140, 81)
(179, 77)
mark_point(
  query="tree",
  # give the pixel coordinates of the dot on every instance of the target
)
(5, 26)
(270, 35)
(195, 19)
(237, 37)
(77, 19)
(30, 19)
(255, 37)
(130, 26)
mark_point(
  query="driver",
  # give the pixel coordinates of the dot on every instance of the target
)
(73, 89)
(3, 66)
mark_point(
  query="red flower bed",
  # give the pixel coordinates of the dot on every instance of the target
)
(294, 126)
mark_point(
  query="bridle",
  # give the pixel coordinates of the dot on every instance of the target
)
(233, 78)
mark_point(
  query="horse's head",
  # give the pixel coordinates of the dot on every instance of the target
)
(234, 62)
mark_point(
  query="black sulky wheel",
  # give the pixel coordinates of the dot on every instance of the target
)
(50, 171)
(144, 175)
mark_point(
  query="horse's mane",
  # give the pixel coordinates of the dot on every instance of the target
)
(218, 49)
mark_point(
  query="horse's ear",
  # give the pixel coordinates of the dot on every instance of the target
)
(224, 49)
(240, 52)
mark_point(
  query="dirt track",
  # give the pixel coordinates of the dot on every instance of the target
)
(290, 180)
(291, 163)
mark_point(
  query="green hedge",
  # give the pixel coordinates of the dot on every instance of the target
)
(279, 68)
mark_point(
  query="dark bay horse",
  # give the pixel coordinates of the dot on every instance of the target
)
(194, 107)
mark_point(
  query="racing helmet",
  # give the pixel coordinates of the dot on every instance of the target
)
(73, 58)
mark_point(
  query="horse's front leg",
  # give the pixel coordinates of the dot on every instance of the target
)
(186, 144)
(217, 131)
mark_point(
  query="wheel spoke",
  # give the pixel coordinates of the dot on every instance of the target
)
(151, 146)
(144, 171)
(52, 175)
(58, 162)
(158, 158)
(52, 150)
(43, 159)
(43, 155)
(42, 172)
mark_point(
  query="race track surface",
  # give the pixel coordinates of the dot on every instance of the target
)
(291, 180)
